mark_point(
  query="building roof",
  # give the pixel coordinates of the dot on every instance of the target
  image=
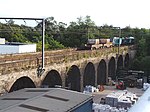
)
(143, 104)
(16, 43)
(42, 100)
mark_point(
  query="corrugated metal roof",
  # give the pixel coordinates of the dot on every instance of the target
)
(42, 100)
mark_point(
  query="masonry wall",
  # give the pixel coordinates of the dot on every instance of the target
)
(13, 70)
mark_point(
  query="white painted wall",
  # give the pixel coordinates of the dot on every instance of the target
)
(12, 49)
(8, 49)
(27, 48)
(2, 40)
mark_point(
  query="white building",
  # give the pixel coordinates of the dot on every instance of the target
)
(15, 47)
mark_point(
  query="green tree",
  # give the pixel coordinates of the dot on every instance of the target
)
(148, 45)
(53, 44)
(141, 50)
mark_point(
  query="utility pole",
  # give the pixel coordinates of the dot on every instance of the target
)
(118, 28)
(88, 31)
(43, 42)
(40, 69)
(119, 40)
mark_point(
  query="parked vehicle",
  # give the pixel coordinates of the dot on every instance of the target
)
(120, 85)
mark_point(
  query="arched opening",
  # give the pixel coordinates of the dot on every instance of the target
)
(23, 82)
(112, 68)
(101, 73)
(120, 62)
(73, 78)
(89, 75)
(119, 66)
(52, 79)
(126, 61)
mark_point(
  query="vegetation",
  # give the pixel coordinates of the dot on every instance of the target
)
(142, 59)
(59, 35)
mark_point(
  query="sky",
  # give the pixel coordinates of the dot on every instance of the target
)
(119, 13)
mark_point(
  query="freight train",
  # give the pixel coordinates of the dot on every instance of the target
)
(93, 44)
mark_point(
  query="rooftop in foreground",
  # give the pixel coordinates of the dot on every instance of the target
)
(42, 100)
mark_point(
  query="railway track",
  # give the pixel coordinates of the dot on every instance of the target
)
(13, 58)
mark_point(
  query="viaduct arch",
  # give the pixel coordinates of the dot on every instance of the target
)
(23, 82)
(52, 78)
(69, 74)
(101, 73)
(72, 80)
(112, 68)
(89, 75)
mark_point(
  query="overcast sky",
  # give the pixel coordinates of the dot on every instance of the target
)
(119, 13)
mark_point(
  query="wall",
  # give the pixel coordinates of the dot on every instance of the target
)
(27, 48)
(12, 49)
(86, 107)
(2, 40)
(8, 49)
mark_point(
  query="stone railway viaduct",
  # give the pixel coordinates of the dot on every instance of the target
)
(70, 69)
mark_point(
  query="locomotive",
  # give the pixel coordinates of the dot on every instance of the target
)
(123, 41)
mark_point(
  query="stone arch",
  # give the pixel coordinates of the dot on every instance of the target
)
(89, 75)
(52, 79)
(101, 73)
(73, 78)
(23, 82)
(126, 61)
(120, 62)
(119, 66)
(112, 68)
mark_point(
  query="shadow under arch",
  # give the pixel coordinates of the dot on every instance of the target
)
(112, 68)
(52, 79)
(101, 73)
(89, 75)
(21, 83)
(119, 66)
(120, 62)
(73, 78)
(126, 61)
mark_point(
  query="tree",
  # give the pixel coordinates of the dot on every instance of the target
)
(148, 45)
(11, 22)
(141, 50)
(53, 44)
(126, 32)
